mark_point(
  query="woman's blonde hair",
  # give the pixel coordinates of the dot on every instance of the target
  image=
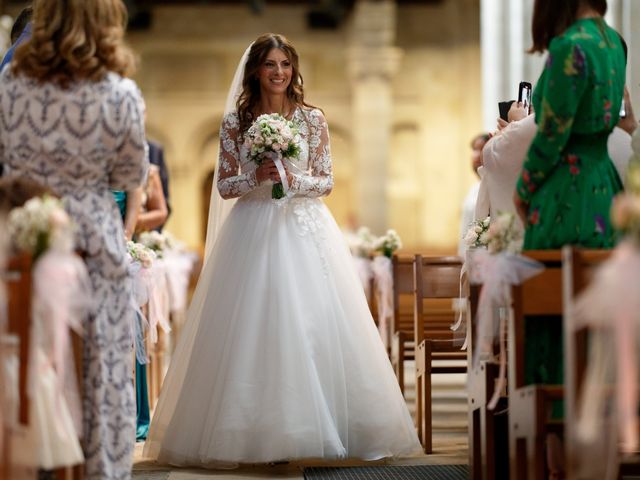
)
(75, 40)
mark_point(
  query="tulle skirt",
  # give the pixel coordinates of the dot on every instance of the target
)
(280, 358)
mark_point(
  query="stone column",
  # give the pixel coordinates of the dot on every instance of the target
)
(505, 37)
(629, 18)
(373, 61)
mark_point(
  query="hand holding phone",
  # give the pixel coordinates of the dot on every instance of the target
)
(524, 95)
(503, 108)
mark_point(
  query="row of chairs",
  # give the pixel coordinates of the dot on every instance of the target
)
(526, 409)
(424, 288)
(18, 280)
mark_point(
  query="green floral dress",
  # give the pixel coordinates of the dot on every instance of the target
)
(568, 179)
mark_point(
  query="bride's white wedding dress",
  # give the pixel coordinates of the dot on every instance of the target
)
(280, 358)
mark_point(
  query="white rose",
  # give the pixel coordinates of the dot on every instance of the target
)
(471, 237)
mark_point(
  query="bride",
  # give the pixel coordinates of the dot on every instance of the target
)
(280, 358)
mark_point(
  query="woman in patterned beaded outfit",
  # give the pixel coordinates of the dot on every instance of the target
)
(71, 121)
(279, 358)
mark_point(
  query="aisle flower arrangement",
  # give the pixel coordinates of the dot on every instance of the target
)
(610, 309)
(61, 297)
(497, 268)
(388, 243)
(39, 225)
(476, 236)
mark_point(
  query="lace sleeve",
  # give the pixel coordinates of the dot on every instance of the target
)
(232, 183)
(320, 181)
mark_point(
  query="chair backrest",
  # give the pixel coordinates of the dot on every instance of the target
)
(402, 294)
(435, 278)
(539, 296)
(578, 266)
(18, 281)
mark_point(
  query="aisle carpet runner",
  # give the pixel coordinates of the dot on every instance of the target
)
(399, 472)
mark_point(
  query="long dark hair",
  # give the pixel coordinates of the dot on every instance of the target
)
(552, 17)
(250, 96)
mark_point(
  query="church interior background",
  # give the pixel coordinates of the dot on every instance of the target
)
(404, 85)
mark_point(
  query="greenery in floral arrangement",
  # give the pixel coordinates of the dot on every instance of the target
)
(388, 243)
(505, 234)
(39, 225)
(140, 253)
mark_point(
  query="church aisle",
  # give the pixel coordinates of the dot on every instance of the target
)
(450, 441)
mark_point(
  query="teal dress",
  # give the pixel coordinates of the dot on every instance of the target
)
(143, 417)
(568, 179)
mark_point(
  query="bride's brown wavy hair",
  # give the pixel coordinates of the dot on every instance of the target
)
(250, 96)
(75, 40)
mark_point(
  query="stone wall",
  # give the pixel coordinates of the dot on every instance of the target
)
(402, 101)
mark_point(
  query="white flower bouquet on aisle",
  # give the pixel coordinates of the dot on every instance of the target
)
(504, 235)
(388, 243)
(159, 242)
(382, 269)
(141, 254)
(39, 225)
(61, 296)
(476, 236)
(361, 243)
(497, 269)
(272, 133)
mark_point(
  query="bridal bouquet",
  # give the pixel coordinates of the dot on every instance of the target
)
(39, 225)
(388, 243)
(477, 234)
(272, 133)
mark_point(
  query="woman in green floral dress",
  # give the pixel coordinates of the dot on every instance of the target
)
(568, 180)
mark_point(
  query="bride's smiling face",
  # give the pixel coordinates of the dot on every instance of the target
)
(275, 72)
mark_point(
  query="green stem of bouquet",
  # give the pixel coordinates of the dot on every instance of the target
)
(42, 243)
(277, 191)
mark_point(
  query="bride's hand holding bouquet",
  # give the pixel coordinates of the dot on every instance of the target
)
(270, 140)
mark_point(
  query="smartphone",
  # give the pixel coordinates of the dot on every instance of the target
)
(524, 94)
(503, 108)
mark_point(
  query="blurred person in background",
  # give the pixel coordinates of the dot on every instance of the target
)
(467, 215)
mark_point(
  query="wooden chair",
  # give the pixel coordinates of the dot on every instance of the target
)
(578, 267)
(486, 427)
(402, 323)
(529, 404)
(19, 282)
(435, 279)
